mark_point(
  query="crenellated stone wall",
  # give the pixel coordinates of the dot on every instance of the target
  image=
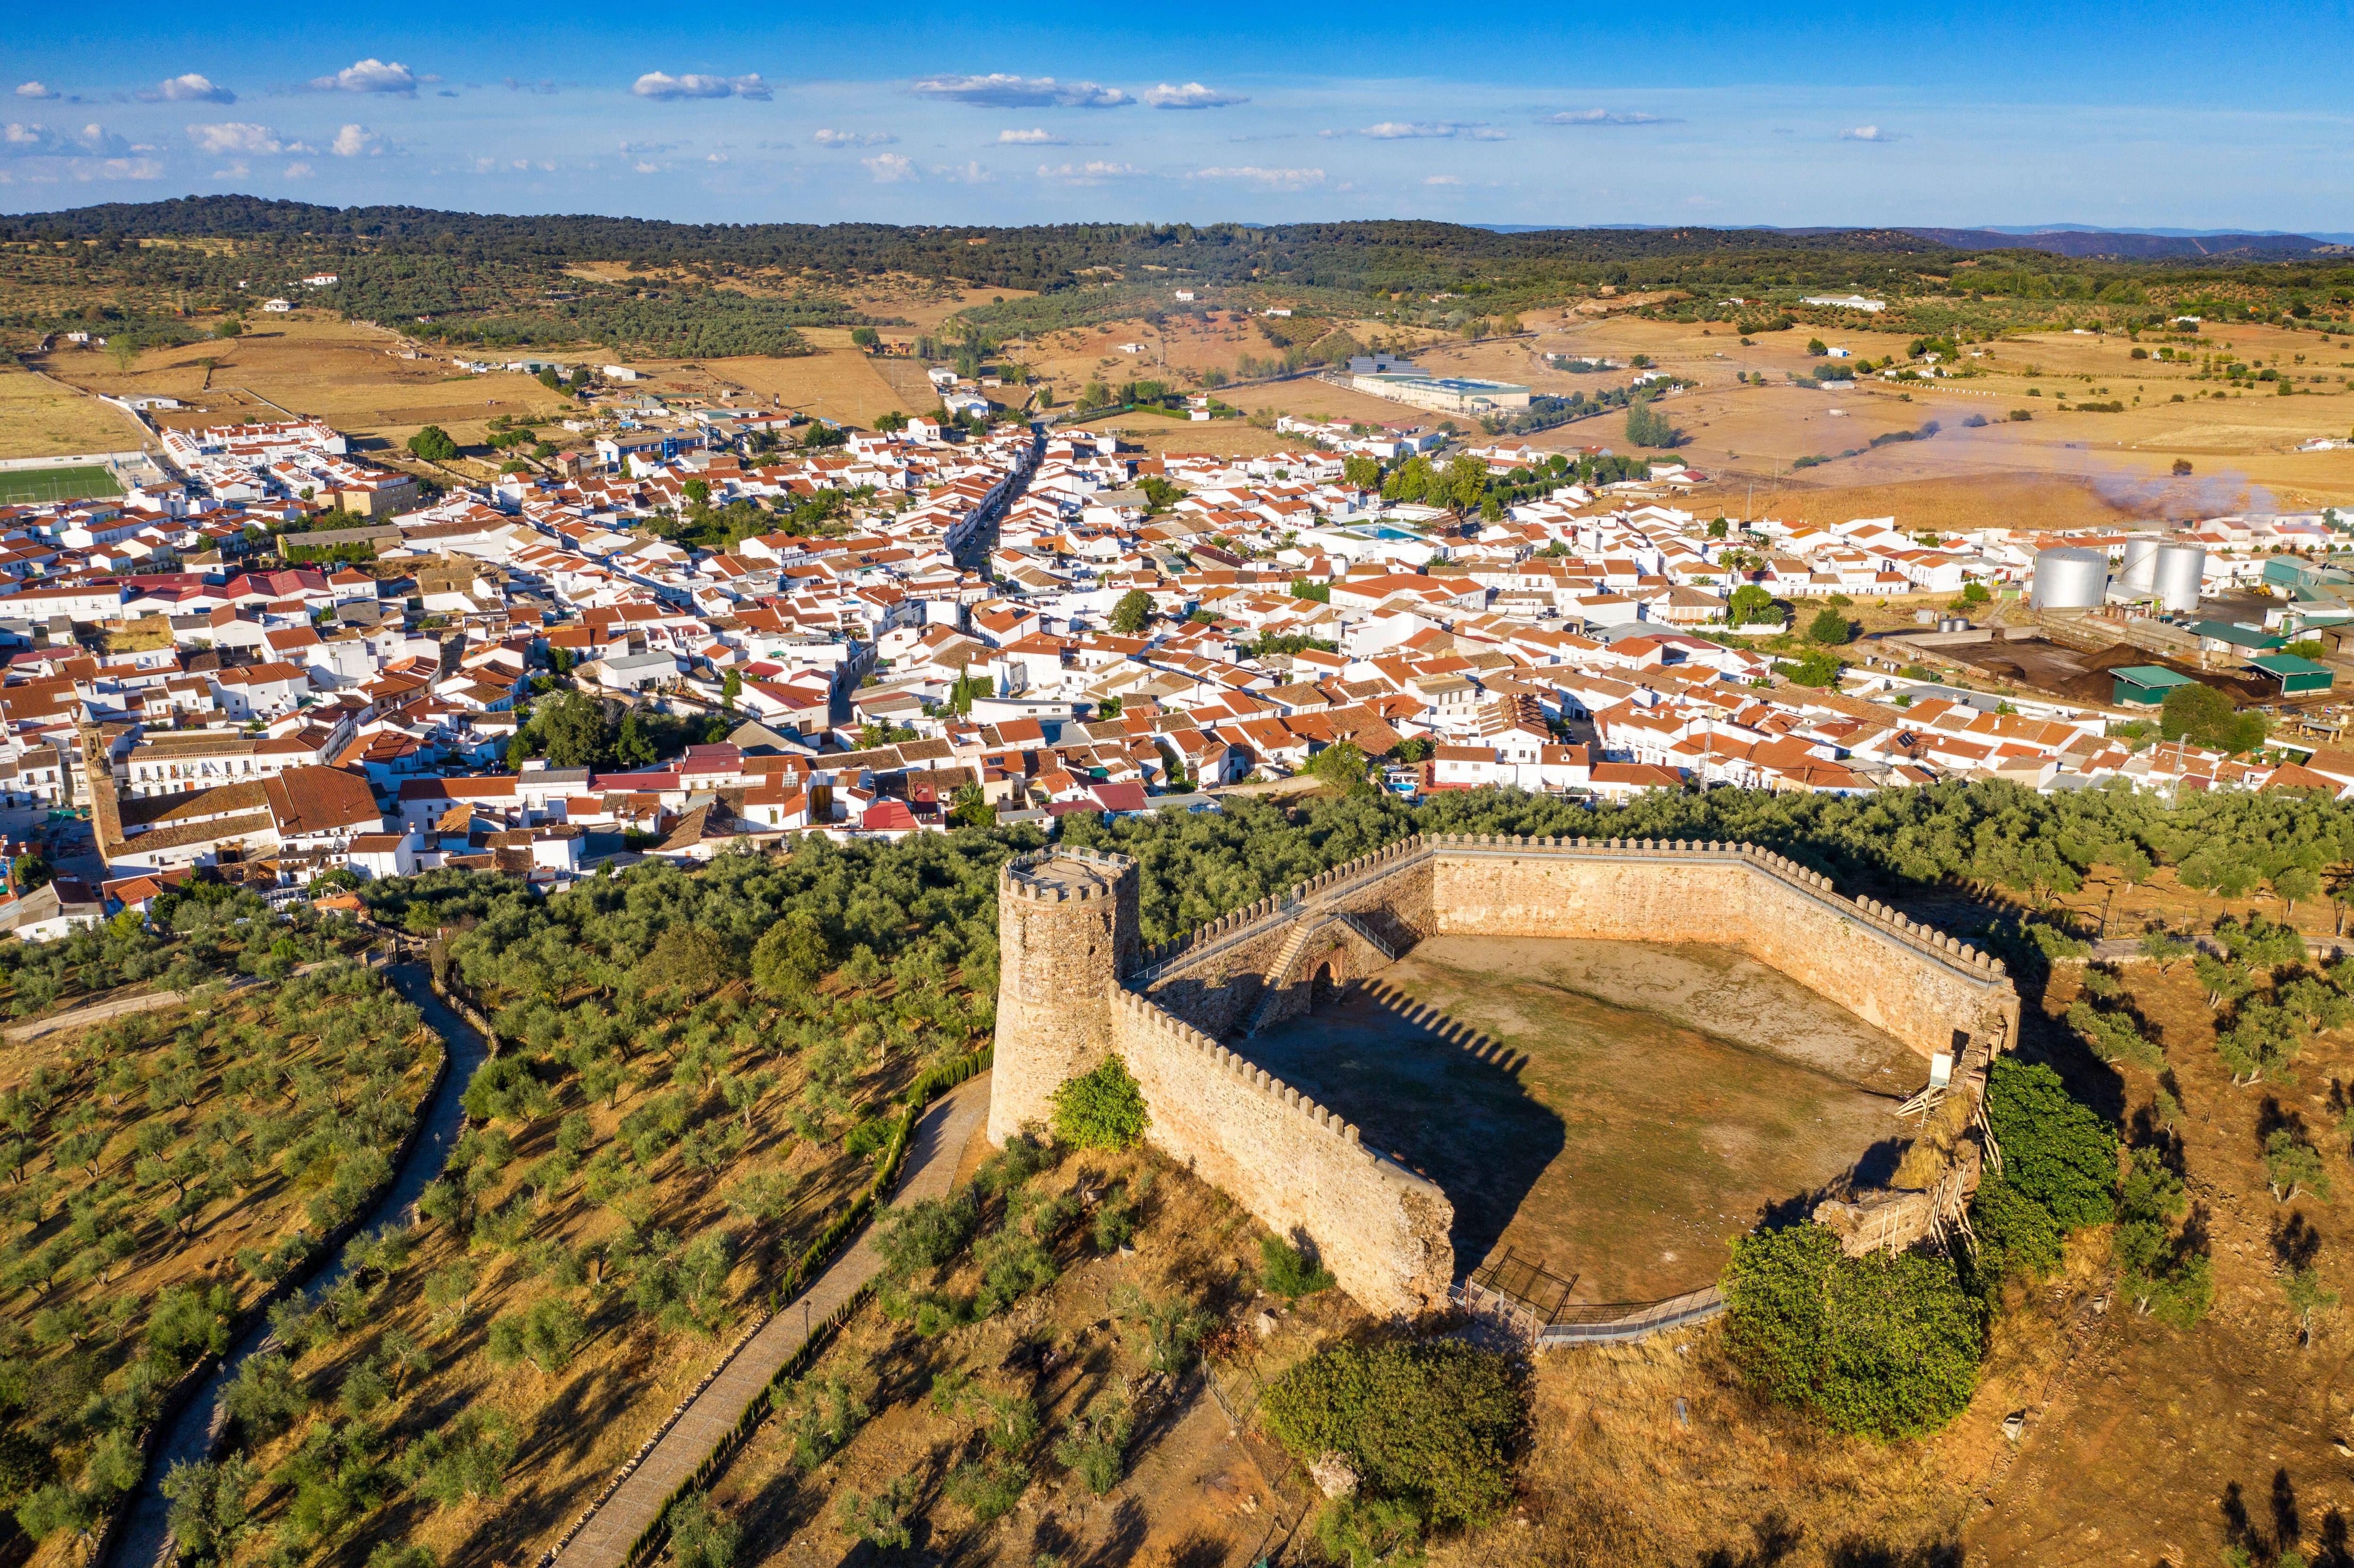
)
(1075, 987)
(1896, 974)
(1304, 1172)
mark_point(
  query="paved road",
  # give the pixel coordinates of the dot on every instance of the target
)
(605, 1540)
(145, 1540)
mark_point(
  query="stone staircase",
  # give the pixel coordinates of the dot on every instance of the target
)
(1296, 944)
(1293, 946)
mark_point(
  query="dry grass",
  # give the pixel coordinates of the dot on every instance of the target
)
(838, 382)
(2134, 1451)
(1194, 1492)
(41, 417)
(346, 372)
(2105, 463)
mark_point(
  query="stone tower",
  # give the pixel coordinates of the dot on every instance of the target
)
(1067, 932)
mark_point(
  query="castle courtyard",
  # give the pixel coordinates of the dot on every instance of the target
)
(1632, 1107)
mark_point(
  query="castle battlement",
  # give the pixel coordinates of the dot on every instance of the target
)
(1076, 987)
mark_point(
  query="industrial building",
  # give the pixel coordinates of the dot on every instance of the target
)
(1448, 395)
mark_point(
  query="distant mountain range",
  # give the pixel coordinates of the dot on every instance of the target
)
(2080, 239)
(2075, 240)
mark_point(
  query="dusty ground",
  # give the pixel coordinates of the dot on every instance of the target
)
(41, 416)
(346, 372)
(1671, 1098)
(2143, 1449)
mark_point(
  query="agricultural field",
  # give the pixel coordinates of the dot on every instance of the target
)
(167, 1169)
(2239, 446)
(211, 933)
(346, 372)
(41, 417)
(679, 1108)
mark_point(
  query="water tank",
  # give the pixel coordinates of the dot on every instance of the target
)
(2179, 569)
(2139, 578)
(2069, 580)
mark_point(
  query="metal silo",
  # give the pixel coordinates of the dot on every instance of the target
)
(2180, 568)
(2139, 578)
(2069, 580)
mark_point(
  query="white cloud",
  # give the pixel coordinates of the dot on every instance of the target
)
(1280, 179)
(1094, 171)
(373, 76)
(34, 89)
(356, 141)
(969, 173)
(1605, 117)
(999, 90)
(1871, 134)
(188, 89)
(119, 169)
(1192, 95)
(889, 168)
(645, 168)
(1443, 180)
(663, 85)
(19, 140)
(1418, 130)
(853, 138)
(1039, 137)
(298, 171)
(235, 171)
(236, 136)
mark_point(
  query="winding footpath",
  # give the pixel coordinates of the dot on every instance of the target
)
(604, 1540)
(144, 1540)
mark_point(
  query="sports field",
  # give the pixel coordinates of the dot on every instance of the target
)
(21, 485)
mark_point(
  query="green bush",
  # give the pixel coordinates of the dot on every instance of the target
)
(2017, 1236)
(2055, 1151)
(1884, 1346)
(1102, 1110)
(1425, 1424)
(1287, 1271)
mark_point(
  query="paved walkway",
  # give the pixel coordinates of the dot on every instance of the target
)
(605, 1540)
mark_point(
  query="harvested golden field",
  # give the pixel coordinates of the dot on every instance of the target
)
(1163, 437)
(2240, 446)
(43, 418)
(838, 382)
(346, 372)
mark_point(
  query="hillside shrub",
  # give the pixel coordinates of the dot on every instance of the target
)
(1102, 1110)
(1287, 1271)
(1882, 1346)
(1425, 1424)
(2056, 1151)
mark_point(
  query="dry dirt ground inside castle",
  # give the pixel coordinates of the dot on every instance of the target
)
(1648, 1105)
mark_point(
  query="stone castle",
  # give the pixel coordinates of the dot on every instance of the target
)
(1077, 986)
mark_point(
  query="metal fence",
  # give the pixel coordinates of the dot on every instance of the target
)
(1532, 1300)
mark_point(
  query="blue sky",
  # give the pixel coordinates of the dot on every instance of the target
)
(2151, 115)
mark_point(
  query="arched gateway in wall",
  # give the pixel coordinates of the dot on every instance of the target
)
(1075, 986)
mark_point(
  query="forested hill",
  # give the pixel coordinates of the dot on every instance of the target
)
(1376, 254)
